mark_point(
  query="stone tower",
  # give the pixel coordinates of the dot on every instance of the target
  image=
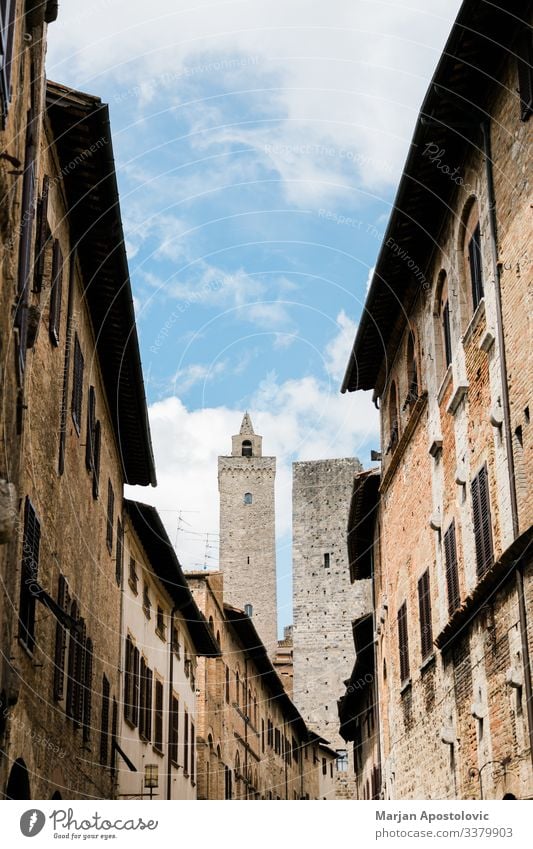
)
(247, 530)
(324, 601)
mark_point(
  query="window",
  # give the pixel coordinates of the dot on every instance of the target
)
(482, 522)
(324, 767)
(326, 560)
(474, 260)
(270, 733)
(133, 578)
(63, 601)
(77, 385)
(96, 459)
(446, 334)
(42, 237)
(176, 648)
(119, 554)
(158, 718)
(237, 689)
(248, 498)
(87, 690)
(91, 424)
(56, 292)
(524, 50)
(174, 730)
(76, 666)
(277, 741)
(424, 607)
(412, 372)
(342, 760)
(393, 418)
(186, 744)
(246, 448)
(160, 627)
(104, 723)
(228, 790)
(145, 700)
(7, 24)
(147, 605)
(131, 682)
(193, 754)
(452, 572)
(262, 735)
(226, 687)
(31, 541)
(110, 516)
(403, 643)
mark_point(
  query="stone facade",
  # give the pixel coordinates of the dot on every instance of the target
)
(324, 601)
(283, 660)
(70, 442)
(247, 530)
(252, 742)
(452, 572)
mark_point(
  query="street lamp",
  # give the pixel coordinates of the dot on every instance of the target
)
(151, 778)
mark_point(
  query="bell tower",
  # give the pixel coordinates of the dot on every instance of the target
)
(247, 553)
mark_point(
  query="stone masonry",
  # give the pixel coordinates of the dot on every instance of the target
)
(247, 530)
(324, 601)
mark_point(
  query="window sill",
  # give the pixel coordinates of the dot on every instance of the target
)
(457, 398)
(157, 751)
(446, 380)
(406, 686)
(428, 662)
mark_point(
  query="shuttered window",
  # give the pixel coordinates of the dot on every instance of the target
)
(524, 50)
(119, 554)
(424, 606)
(91, 424)
(76, 666)
(131, 683)
(110, 516)
(56, 292)
(88, 690)
(96, 460)
(403, 643)
(174, 731)
(193, 753)
(63, 600)
(104, 723)
(114, 732)
(186, 744)
(482, 522)
(145, 701)
(227, 688)
(474, 259)
(42, 237)
(158, 716)
(77, 385)
(446, 332)
(31, 541)
(452, 571)
(7, 24)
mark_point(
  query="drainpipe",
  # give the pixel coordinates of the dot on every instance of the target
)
(526, 664)
(170, 689)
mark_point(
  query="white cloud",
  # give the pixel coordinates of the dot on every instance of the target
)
(338, 350)
(369, 278)
(347, 73)
(187, 377)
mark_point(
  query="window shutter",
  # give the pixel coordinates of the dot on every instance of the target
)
(482, 522)
(104, 724)
(135, 687)
(186, 744)
(88, 690)
(56, 291)
(30, 566)
(110, 516)
(61, 641)
(424, 605)
(149, 688)
(96, 459)
(446, 328)
(119, 555)
(452, 572)
(91, 422)
(81, 660)
(73, 659)
(525, 73)
(476, 273)
(114, 731)
(128, 682)
(42, 236)
(174, 731)
(193, 753)
(403, 643)
(158, 723)
(77, 385)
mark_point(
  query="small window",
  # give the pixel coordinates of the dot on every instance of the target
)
(119, 553)
(104, 722)
(145, 700)
(393, 418)
(474, 260)
(452, 572)
(246, 448)
(403, 643)
(77, 385)
(424, 605)
(482, 522)
(248, 499)
(147, 604)
(110, 516)
(56, 292)
(158, 716)
(176, 648)
(160, 623)
(31, 541)
(133, 578)
(342, 760)
(326, 560)
(174, 730)
(186, 744)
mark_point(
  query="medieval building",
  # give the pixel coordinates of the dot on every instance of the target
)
(444, 343)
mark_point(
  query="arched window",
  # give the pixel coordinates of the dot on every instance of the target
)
(248, 499)
(211, 624)
(246, 448)
(393, 417)
(470, 246)
(442, 325)
(412, 371)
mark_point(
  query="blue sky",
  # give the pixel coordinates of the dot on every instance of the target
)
(258, 148)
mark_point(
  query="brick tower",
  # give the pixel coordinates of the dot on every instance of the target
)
(247, 530)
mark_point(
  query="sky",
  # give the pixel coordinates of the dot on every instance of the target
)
(258, 147)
